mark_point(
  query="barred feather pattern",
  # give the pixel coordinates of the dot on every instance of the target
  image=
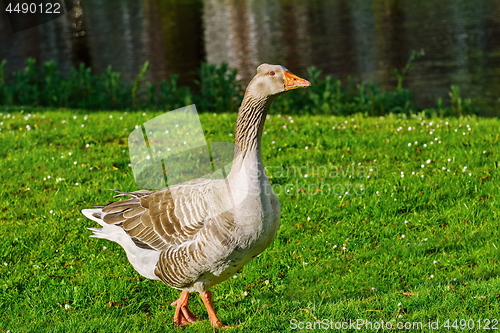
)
(250, 122)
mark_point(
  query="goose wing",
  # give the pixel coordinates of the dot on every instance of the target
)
(159, 219)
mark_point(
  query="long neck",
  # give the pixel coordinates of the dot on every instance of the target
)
(247, 178)
(251, 118)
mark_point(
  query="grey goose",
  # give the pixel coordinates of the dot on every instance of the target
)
(196, 234)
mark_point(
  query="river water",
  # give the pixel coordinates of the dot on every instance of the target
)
(363, 39)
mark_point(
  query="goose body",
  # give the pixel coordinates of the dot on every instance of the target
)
(198, 233)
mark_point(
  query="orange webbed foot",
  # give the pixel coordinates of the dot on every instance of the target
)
(182, 315)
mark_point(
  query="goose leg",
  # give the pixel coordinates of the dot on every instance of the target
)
(207, 300)
(182, 315)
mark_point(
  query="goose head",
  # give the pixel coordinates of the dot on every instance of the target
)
(269, 82)
(272, 80)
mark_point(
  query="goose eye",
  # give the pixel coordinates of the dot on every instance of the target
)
(272, 73)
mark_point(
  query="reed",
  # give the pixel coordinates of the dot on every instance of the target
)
(216, 89)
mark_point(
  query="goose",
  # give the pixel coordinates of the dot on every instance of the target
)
(198, 233)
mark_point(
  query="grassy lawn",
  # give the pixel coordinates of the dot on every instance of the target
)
(415, 238)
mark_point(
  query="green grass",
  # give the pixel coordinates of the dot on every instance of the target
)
(446, 265)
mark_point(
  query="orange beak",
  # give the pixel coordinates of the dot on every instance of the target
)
(292, 81)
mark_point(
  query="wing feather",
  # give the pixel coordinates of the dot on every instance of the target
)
(158, 220)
